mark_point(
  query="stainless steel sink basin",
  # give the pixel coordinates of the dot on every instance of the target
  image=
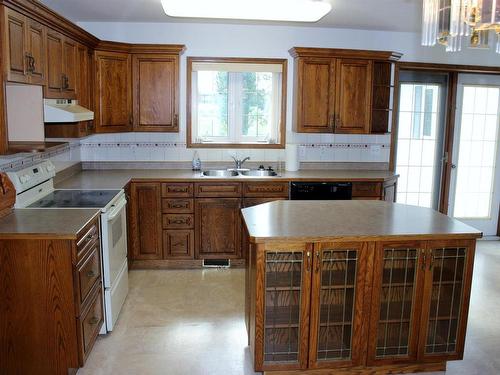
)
(258, 173)
(219, 173)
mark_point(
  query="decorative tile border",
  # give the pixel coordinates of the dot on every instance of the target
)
(24, 160)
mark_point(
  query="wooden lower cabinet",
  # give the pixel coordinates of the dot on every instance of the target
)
(365, 305)
(178, 244)
(217, 228)
(145, 221)
(52, 306)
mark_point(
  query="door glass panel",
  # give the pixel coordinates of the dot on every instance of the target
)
(337, 298)
(448, 267)
(419, 144)
(396, 299)
(283, 280)
(477, 151)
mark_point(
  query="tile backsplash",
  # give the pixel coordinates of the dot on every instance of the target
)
(157, 147)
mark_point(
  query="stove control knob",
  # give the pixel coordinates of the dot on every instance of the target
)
(24, 178)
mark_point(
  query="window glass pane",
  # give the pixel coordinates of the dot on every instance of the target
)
(212, 104)
(257, 104)
(417, 143)
(476, 152)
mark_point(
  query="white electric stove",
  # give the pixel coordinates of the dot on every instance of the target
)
(35, 189)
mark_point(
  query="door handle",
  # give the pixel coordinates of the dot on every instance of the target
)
(453, 166)
(176, 120)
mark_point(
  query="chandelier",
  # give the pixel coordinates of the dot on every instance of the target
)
(452, 23)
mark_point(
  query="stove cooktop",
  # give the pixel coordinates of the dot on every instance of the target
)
(76, 199)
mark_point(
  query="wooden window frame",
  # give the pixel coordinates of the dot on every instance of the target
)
(282, 125)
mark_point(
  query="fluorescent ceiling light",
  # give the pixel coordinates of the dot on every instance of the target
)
(262, 10)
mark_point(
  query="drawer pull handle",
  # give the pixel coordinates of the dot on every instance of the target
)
(178, 190)
(178, 205)
(179, 221)
(93, 321)
(91, 274)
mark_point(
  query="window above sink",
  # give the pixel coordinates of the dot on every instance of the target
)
(236, 102)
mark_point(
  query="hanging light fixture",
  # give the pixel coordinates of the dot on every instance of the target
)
(449, 22)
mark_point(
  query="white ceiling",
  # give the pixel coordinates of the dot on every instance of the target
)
(395, 15)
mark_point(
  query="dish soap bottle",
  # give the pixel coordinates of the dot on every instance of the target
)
(196, 162)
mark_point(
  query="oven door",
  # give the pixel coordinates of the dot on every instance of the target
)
(114, 240)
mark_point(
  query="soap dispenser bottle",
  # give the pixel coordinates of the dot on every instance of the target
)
(196, 162)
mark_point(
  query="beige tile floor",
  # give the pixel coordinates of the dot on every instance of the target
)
(192, 322)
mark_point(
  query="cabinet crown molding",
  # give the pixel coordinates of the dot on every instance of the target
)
(348, 53)
(105, 45)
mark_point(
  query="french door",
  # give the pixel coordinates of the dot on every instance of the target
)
(421, 129)
(474, 194)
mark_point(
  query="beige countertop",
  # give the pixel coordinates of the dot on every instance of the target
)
(118, 178)
(45, 223)
(313, 221)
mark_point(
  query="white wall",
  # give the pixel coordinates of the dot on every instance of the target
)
(269, 41)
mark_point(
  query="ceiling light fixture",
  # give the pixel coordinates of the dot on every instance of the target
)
(261, 10)
(448, 22)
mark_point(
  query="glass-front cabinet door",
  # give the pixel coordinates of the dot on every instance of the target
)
(338, 280)
(396, 303)
(447, 288)
(287, 282)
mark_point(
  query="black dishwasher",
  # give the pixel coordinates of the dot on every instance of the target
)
(321, 191)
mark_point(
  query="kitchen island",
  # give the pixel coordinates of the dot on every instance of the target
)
(356, 287)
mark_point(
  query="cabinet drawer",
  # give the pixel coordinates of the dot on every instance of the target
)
(177, 189)
(89, 324)
(88, 273)
(214, 189)
(177, 206)
(86, 238)
(266, 189)
(366, 189)
(178, 244)
(178, 221)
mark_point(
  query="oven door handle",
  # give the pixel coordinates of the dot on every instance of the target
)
(113, 214)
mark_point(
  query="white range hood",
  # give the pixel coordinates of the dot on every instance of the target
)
(65, 110)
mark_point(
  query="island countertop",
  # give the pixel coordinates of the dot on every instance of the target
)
(312, 221)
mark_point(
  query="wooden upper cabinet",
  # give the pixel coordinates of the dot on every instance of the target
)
(145, 221)
(54, 85)
(113, 92)
(37, 54)
(15, 28)
(155, 93)
(353, 100)
(70, 66)
(334, 90)
(83, 76)
(315, 95)
(24, 49)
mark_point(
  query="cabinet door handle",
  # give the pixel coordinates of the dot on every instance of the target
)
(176, 120)
(424, 258)
(32, 64)
(29, 63)
(130, 120)
(318, 260)
(93, 321)
(338, 120)
(332, 121)
(431, 263)
(308, 261)
(91, 274)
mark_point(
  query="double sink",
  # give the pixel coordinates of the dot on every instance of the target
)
(240, 172)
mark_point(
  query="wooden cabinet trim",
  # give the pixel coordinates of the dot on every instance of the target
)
(266, 189)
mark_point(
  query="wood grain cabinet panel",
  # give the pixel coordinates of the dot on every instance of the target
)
(315, 95)
(266, 189)
(37, 52)
(178, 244)
(88, 273)
(145, 221)
(177, 190)
(70, 67)
(217, 189)
(178, 221)
(217, 228)
(155, 80)
(366, 189)
(89, 325)
(113, 92)
(15, 49)
(354, 95)
(54, 85)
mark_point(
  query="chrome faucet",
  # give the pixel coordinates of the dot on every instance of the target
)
(239, 163)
